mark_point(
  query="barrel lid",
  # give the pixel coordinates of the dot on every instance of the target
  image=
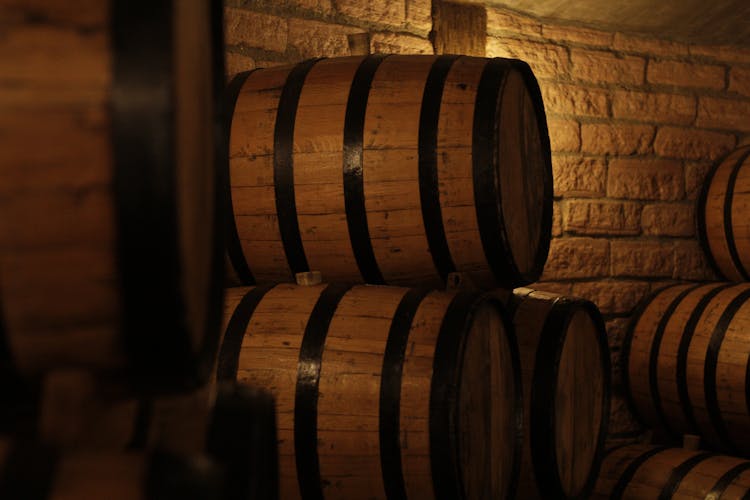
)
(512, 172)
(168, 79)
(475, 403)
(567, 446)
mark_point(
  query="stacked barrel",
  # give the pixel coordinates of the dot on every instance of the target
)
(687, 360)
(407, 196)
(111, 254)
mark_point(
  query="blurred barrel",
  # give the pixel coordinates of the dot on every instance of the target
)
(686, 358)
(381, 391)
(110, 247)
(723, 222)
(390, 169)
(33, 471)
(645, 471)
(565, 369)
(233, 424)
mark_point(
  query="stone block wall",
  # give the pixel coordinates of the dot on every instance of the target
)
(635, 124)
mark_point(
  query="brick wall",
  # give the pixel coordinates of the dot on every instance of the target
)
(635, 123)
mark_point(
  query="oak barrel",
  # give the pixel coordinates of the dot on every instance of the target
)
(381, 392)
(111, 252)
(686, 363)
(565, 368)
(390, 169)
(36, 471)
(723, 222)
(232, 424)
(645, 471)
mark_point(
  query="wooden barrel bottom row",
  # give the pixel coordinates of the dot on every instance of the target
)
(33, 471)
(565, 369)
(645, 471)
(382, 392)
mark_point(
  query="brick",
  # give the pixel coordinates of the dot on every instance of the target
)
(727, 114)
(252, 29)
(317, 6)
(311, 6)
(616, 139)
(692, 144)
(668, 219)
(501, 21)
(389, 12)
(236, 63)
(564, 135)
(556, 219)
(602, 217)
(583, 36)
(695, 175)
(616, 331)
(642, 258)
(316, 39)
(647, 45)
(605, 67)
(654, 107)
(728, 53)
(546, 60)
(658, 285)
(396, 43)
(577, 258)
(683, 74)
(639, 179)
(739, 80)
(577, 176)
(564, 99)
(612, 296)
(690, 262)
(419, 16)
(622, 420)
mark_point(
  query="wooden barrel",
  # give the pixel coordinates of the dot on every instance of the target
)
(382, 392)
(233, 424)
(110, 247)
(644, 471)
(390, 169)
(686, 358)
(723, 224)
(562, 341)
(34, 471)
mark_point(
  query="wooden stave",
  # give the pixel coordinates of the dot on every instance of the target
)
(540, 472)
(727, 262)
(505, 269)
(117, 340)
(712, 475)
(237, 321)
(703, 410)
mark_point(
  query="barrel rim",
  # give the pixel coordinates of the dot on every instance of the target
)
(545, 378)
(485, 173)
(235, 253)
(158, 341)
(447, 476)
(242, 426)
(700, 213)
(627, 344)
(534, 89)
